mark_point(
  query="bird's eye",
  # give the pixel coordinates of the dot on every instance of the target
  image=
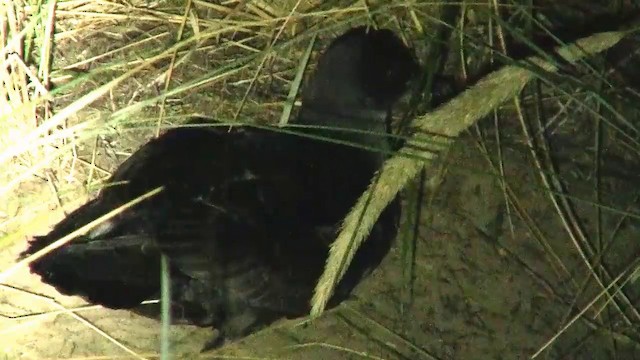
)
(389, 74)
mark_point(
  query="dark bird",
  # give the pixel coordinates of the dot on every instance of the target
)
(247, 214)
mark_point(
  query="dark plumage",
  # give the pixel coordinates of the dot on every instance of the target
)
(247, 214)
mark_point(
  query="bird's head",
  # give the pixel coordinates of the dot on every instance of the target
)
(357, 80)
(361, 69)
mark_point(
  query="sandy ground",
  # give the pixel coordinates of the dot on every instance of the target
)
(483, 289)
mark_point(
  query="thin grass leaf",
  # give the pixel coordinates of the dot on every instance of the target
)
(295, 85)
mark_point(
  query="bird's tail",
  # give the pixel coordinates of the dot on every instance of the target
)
(107, 266)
